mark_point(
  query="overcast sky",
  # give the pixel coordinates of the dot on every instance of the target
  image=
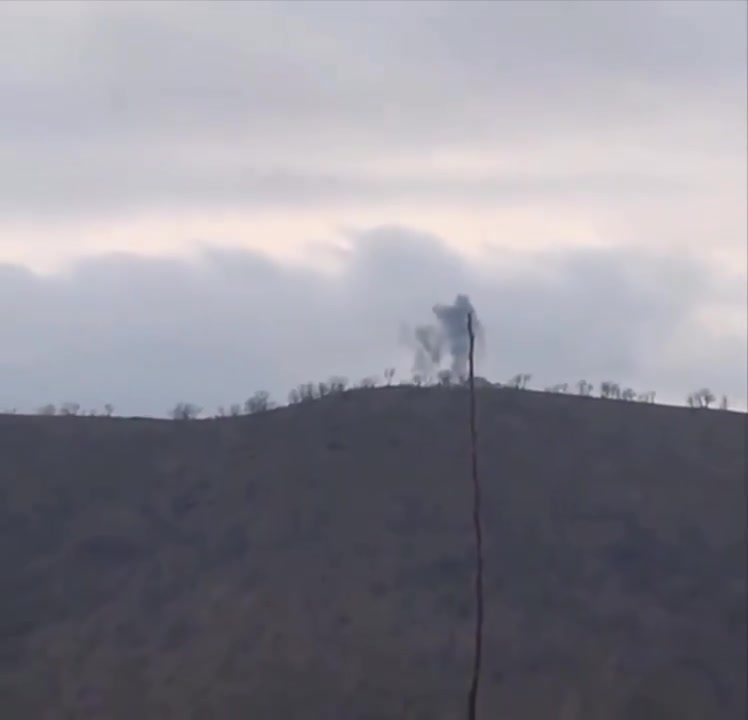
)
(198, 200)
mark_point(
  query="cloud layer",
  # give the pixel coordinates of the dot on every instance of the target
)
(145, 333)
(620, 115)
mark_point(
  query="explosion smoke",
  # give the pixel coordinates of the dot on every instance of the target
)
(447, 337)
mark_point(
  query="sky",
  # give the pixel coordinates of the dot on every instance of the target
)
(200, 200)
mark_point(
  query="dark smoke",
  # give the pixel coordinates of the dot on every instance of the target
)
(447, 339)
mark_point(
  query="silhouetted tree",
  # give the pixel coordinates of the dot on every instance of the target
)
(585, 388)
(701, 398)
(706, 397)
(185, 411)
(306, 392)
(259, 402)
(610, 390)
(337, 384)
(389, 375)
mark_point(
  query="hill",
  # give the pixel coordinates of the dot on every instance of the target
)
(315, 562)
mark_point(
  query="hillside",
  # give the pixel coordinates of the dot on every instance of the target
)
(315, 562)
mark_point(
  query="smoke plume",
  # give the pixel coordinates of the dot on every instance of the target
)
(446, 339)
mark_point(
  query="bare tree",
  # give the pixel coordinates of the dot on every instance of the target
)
(70, 408)
(444, 378)
(706, 397)
(701, 398)
(306, 392)
(109, 409)
(337, 384)
(418, 379)
(610, 390)
(185, 411)
(368, 382)
(389, 375)
(628, 394)
(724, 403)
(585, 388)
(259, 402)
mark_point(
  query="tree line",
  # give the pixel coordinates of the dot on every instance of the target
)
(261, 401)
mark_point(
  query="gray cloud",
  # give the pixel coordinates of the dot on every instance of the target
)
(116, 106)
(123, 184)
(145, 333)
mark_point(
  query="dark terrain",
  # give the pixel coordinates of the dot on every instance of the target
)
(315, 562)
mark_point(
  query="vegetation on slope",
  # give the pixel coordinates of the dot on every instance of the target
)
(315, 561)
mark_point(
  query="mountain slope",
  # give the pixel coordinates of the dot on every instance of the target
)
(316, 561)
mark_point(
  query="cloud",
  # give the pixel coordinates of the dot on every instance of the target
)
(145, 333)
(122, 107)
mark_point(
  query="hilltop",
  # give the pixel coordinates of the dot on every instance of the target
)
(315, 561)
